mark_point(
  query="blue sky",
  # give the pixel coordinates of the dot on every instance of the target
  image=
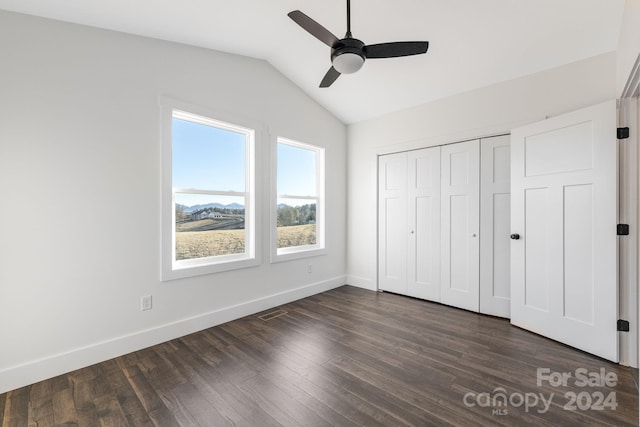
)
(205, 157)
(296, 171)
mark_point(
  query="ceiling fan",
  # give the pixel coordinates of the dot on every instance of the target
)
(348, 54)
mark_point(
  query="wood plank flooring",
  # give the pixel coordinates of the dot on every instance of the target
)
(347, 357)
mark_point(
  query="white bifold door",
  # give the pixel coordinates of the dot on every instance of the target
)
(460, 228)
(563, 221)
(495, 226)
(409, 223)
(429, 224)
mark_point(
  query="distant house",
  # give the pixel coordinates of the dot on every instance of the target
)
(205, 215)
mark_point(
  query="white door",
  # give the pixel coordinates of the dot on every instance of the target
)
(393, 228)
(409, 223)
(563, 206)
(495, 227)
(423, 258)
(460, 225)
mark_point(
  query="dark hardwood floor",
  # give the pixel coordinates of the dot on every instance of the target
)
(347, 357)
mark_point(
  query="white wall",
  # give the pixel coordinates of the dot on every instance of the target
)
(491, 110)
(629, 43)
(80, 188)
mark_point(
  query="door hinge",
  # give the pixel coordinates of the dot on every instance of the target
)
(623, 325)
(623, 230)
(623, 133)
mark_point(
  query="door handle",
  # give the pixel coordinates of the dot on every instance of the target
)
(515, 236)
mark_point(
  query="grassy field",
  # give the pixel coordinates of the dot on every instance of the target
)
(296, 235)
(200, 244)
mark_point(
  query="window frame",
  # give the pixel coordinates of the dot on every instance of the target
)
(171, 268)
(298, 252)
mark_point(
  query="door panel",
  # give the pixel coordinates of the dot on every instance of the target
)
(578, 253)
(460, 224)
(458, 175)
(495, 225)
(564, 195)
(499, 239)
(537, 244)
(459, 242)
(392, 191)
(423, 280)
(541, 150)
(395, 243)
(424, 236)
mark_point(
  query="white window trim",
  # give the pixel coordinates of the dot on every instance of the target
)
(170, 268)
(298, 252)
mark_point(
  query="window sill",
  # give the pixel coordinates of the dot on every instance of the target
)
(204, 269)
(297, 253)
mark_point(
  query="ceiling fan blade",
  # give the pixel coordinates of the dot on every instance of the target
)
(331, 76)
(313, 28)
(395, 49)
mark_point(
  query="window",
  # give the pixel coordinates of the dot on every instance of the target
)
(299, 204)
(208, 195)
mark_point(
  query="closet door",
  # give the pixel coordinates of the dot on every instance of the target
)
(423, 197)
(392, 223)
(460, 225)
(495, 214)
(409, 223)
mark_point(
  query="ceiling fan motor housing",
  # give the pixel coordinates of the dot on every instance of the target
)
(347, 55)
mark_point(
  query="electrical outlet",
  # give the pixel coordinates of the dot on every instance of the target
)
(309, 268)
(145, 303)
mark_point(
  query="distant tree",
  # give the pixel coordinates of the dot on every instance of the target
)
(181, 215)
(286, 216)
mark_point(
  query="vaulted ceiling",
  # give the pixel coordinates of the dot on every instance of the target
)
(473, 43)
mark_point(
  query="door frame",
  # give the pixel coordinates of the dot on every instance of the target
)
(629, 116)
(628, 196)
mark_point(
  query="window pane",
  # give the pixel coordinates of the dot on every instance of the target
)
(296, 222)
(208, 225)
(207, 158)
(296, 171)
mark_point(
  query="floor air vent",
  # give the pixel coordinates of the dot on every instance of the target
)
(272, 315)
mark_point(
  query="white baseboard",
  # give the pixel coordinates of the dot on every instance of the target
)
(362, 282)
(38, 370)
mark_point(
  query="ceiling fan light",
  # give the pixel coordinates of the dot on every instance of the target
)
(348, 62)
